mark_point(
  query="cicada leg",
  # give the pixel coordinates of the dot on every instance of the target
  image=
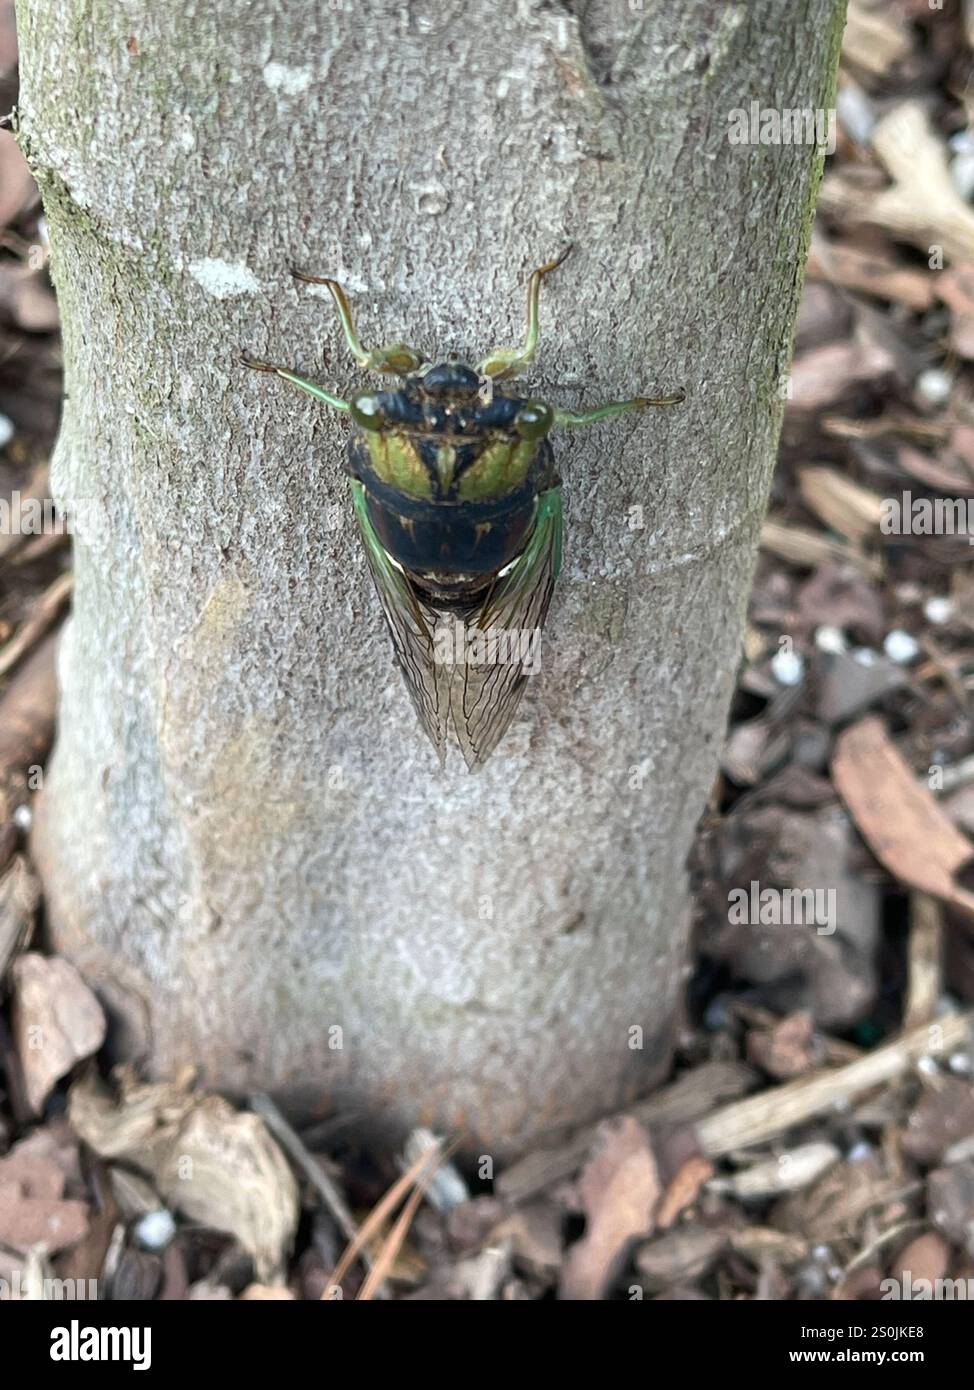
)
(397, 358)
(312, 387)
(508, 362)
(568, 419)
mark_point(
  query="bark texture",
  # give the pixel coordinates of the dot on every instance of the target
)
(245, 838)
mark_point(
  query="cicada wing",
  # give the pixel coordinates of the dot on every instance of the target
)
(484, 696)
(411, 626)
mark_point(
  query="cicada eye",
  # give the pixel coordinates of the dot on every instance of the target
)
(367, 412)
(534, 419)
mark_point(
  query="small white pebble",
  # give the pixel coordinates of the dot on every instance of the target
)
(856, 113)
(155, 1230)
(7, 431)
(831, 639)
(901, 647)
(962, 173)
(959, 1063)
(928, 1066)
(860, 1152)
(935, 385)
(865, 656)
(23, 817)
(938, 609)
(787, 667)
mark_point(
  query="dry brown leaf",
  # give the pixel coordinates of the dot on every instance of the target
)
(216, 1165)
(57, 1021)
(808, 549)
(925, 1257)
(909, 833)
(843, 505)
(684, 1189)
(874, 40)
(876, 275)
(618, 1189)
(943, 475)
(825, 375)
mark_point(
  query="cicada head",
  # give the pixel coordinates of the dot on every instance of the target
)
(449, 435)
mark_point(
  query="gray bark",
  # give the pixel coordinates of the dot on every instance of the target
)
(245, 838)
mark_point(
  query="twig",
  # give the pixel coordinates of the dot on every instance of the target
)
(922, 206)
(425, 1162)
(393, 1243)
(291, 1143)
(765, 1116)
(30, 631)
(924, 960)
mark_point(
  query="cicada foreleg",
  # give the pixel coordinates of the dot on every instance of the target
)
(312, 387)
(508, 362)
(397, 358)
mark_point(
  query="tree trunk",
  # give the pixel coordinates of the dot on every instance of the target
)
(245, 838)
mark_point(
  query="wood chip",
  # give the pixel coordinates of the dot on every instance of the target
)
(910, 834)
(773, 1112)
(950, 1202)
(681, 1102)
(924, 960)
(808, 549)
(786, 1172)
(46, 609)
(618, 1188)
(874, 40)
(216, 1165)
(33, 1210)
(844, 506)
(923, 206)
(57, 1021)
(884, 278)
(790, 1047)
(679, 1256)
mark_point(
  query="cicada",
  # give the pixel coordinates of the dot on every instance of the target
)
(458, 501)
